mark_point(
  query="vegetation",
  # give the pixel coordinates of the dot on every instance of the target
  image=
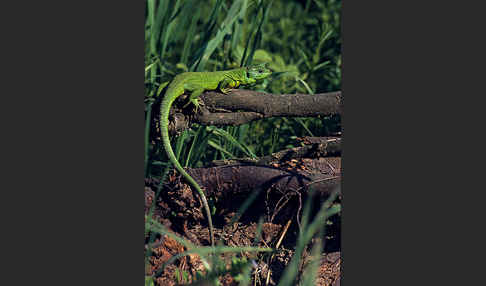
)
(302, 42)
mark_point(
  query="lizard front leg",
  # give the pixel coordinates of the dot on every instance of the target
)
(227, 84)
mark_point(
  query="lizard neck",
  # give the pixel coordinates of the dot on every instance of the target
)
(237, 75)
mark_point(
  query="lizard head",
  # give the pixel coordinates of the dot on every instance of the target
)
(259, 71)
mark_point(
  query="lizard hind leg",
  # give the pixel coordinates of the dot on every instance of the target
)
(194, 98)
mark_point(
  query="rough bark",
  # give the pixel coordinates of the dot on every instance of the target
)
(242, 106)
(322, 174)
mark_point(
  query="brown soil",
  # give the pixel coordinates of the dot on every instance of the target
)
(177, 211)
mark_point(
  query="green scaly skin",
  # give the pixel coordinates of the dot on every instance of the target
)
(196, 83)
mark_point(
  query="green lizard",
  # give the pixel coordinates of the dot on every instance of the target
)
(196, 83)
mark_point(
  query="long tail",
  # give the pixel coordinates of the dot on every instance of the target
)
(164, 124)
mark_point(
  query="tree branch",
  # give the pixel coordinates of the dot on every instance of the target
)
(314, 147)
(242, 106)
(256, 105)
(322, 174)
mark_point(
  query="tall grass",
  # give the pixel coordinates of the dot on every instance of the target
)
(301, 40)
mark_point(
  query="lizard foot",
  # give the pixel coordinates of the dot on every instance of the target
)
(197, 102)
(226, 90)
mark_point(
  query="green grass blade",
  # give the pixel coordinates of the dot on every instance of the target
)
(307, 232)
(310, 272)
(259, 34)
(148, 117)
(150, 66)
(211, 24)
(252, 30)
(231, 17)
(309, 90)
(228, 137)
(193, 144)
(219, 148)
(201, 147)
(161, 15)
(321, 65)
(238, 26)
(301, 123)
(180, 144)
(150, 22)
(167, 29)
(190, 37)
(325, 36)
